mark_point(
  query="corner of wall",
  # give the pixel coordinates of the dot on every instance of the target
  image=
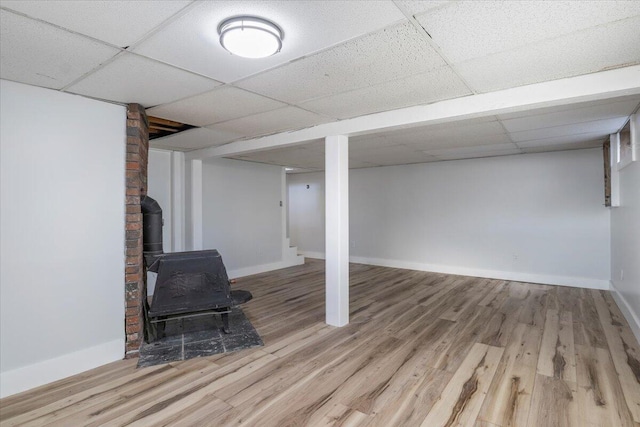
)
(627, 311)
(257, 269)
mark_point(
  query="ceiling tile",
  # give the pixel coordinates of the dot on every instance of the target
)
(461, 132)
(577, 115)
(567, 107)
(603, 127)
(415, 7)
(563, 147)
(368, 142)
(423, 88)
(475, 152)
(191, 42)
(426, 143)
(610, 46)
(221, 104)
(444, 152)
(133, 78)
(448, 125)
(575, 139)
(390, 54)
(400, 134)
(402, 159)
(487, 27)
(282, 119)
(317, 145)
(120, 23)
(193, 139)
(357, 164)
(39, 54)
(398, 154)
(292, 157)
(301, 170)
(481, 154)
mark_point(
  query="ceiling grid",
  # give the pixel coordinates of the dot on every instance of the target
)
(340, 61)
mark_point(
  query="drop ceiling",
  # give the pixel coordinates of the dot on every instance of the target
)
(340, 59)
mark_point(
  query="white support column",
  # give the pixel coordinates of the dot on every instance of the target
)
(614, 142)
(337, 229)
(283, 212)
(196, 204)
(177, 202)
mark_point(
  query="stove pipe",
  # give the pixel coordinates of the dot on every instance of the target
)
(151, 229)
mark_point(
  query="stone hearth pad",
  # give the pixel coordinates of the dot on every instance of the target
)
(200, 337)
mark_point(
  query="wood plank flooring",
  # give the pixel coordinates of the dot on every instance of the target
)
(422, 349)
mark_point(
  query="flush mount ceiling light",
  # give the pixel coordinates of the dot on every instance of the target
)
(250, 37)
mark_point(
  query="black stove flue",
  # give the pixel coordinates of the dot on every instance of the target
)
(151, 229)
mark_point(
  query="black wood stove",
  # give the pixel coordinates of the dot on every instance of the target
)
(188, 283)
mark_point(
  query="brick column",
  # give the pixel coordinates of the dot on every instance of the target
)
(136, 182)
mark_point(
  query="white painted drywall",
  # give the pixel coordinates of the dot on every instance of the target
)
(535, 217)
(625, 242)
(62, 227)
(241, 214)
(307, 212)
(159, 182)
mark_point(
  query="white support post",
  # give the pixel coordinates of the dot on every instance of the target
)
(337, 229)
(196, 204)
(177, 200)
(614, 142)
(283, 212)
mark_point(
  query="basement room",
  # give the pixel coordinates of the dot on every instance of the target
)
(320, 213)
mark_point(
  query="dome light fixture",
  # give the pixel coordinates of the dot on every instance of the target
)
(250, 37)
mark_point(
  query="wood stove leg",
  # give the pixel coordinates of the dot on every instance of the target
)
(152, 332)
(225, 323)
(160, 327)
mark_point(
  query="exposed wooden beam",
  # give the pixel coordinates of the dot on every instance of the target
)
(163, 128)
(164, 121)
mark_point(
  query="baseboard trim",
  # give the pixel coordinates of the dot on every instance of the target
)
(47, 371)
(263, 268)
(577, 282)
(627, 311)
(317, 255)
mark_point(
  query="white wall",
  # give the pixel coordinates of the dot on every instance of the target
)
(536, 217)
(625, 241)
(241, 214)
(159, 181)
(306, 212)
(62, 227)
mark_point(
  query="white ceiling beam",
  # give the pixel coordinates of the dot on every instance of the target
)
(568, 91)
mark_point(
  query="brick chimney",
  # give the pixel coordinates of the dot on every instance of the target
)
(136, 186)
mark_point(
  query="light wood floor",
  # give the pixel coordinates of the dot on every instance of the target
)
(422, 349)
